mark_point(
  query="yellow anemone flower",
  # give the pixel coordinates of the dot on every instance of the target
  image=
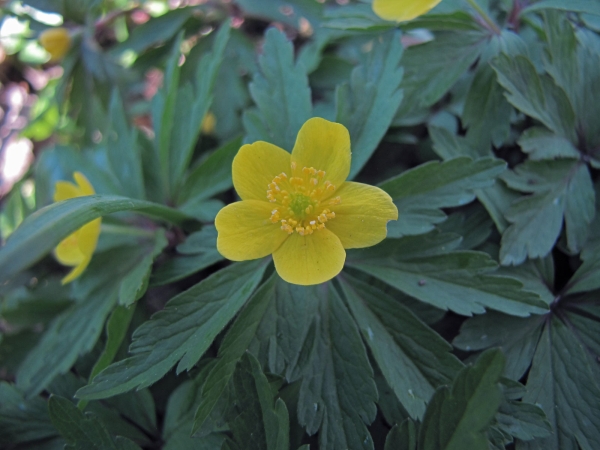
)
(300, 208)
(76, 249)
(402, 10)
(56, 41)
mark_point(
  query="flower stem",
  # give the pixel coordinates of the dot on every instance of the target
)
(486, 18)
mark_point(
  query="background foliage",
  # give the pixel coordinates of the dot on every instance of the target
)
(474, 325)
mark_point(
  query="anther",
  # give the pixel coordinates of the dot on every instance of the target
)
(314, 181)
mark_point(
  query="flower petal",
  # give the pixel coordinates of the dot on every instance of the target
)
(78, 270)
(255, 166)
(88, 237)
(312, 259)
(325, 146)
(245, 231)
(64, 190)
(402, 10)
(85, 187)
(361, 219)
(68, 252)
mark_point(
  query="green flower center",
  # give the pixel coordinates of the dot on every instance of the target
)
(303, 201)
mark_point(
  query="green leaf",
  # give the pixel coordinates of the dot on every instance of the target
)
(434, 67)
(402, 437)
(523, 421)
(44, 229)
(83, 431)
(154, 31)
(537, 96)
(358, 17)
(561, 188)
(338, 393)
(257, 420)
(584, 6)
(182, 266)
(193, 99)
(290, 13)
(541, 144)
(367, 104)
(122, 150)
(565, 381)
(22, 420)
(587, 277)
(457, 417)
(412, 357)
(211, 176)
(135, 283)
(426, 268)
(181, 332)
(281, 93)
(420, 193)
(489, 330)
(486, 113)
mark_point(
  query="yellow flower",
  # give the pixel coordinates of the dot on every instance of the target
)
(402, 10)
(56, 41)
(300, 208)
(77, 249)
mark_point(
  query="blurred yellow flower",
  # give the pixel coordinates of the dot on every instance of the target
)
(77, 249)
(56, 41)
(209, 123)
(300, 208)
(402, 10)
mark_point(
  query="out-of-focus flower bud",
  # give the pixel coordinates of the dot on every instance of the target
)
(56, 41)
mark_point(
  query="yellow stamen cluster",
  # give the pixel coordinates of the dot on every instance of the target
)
(303, 200)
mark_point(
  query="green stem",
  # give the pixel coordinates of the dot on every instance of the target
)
(122, 229)
(487, 19)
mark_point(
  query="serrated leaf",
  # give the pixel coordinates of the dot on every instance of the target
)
(123, 153)
(44, 229)
(22, 420)
(412, 357)
(258, 421)
(457, 417)
(434, 67)
(83, 432)
(211, 176)
(181, 332)
(338, 393)
(281, 93)
(561, 188)
(420, 193)
(564, 381)
(368, 103)
(541, 144)
(486, 113)
(523, 421)
(462, 281)
(536, 95)
(193, 99)
(489, 330)
(587, 276)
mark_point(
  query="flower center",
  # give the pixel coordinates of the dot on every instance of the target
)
(303, 201)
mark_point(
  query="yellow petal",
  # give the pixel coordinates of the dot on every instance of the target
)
(85, 187)
(402, 10)
(64, 190)
(312, 259)
(88, 237)
(245, 230)
(255, 166)
(78, 270)
(325, 146)
(56, 41)
(68, 251)
(361, 218)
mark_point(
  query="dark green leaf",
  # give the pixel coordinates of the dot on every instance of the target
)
(338, 394)
(561, 188)
(584, 6)
(83, 432)
(368, 103)
(426, 268)
(182, 266)
(523, 421)
(181, 332)
(412, 357)
(540, 144)
(457, 417)
(281, 93)
(402, 437)
(420, 193)
(44, 229)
